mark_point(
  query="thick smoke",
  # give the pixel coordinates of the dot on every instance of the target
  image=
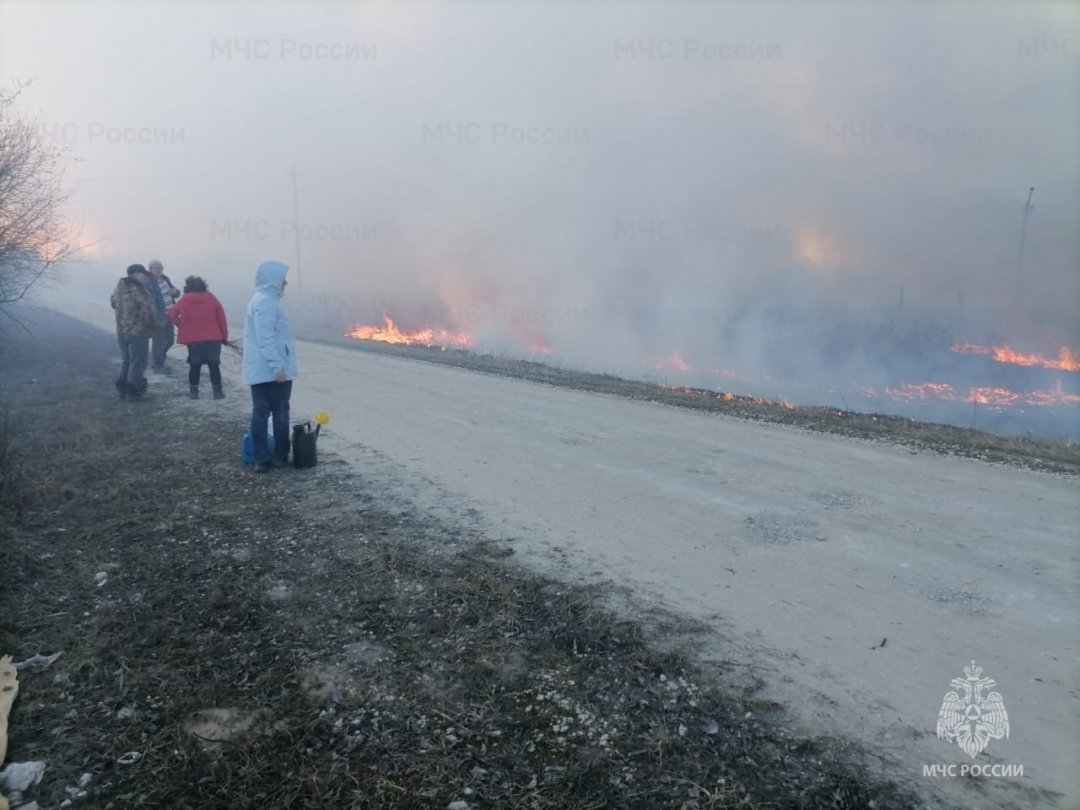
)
(795, 193)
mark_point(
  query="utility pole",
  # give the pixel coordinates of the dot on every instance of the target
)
(1028, 208)
(296, 227)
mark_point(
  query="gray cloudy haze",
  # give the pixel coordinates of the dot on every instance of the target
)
(755, 186)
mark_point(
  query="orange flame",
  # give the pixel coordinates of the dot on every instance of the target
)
(995, 396)
(1053, 396)
(991, 396)
(676, 361)
(1067, 359)
(390, 333)
(911, 391)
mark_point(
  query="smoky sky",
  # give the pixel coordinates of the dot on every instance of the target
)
(617, 181)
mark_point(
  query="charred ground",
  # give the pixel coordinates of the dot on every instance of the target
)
(288, 640)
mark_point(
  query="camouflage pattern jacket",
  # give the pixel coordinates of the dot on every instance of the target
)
(134, 308)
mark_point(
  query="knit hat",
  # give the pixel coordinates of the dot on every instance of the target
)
(156, 263)
(135, 268)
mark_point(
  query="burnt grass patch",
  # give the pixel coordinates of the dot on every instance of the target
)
(233, 640)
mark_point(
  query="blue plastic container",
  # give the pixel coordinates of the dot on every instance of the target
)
(247, 447)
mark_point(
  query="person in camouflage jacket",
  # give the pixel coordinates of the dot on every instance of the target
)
(135, 322)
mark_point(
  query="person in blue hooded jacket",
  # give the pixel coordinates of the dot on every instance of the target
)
(269, 365)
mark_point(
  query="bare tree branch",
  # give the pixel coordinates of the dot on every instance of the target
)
(34, 238)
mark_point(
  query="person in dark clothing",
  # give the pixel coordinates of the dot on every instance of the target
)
(201, 326)
(134, 326)
(164, 295)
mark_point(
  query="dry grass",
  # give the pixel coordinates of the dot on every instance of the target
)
(12, 473)
(287, 641)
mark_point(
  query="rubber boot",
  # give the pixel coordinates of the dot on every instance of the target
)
(218, 393)
(193, 391)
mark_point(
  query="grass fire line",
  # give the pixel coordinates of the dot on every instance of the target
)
(993, 397)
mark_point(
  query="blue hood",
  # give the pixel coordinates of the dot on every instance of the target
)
(269, 277)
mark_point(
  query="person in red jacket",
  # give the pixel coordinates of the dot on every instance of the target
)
(201, 326)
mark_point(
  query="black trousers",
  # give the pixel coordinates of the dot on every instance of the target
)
(205, 352)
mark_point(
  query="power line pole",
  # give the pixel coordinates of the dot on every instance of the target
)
(296, 227)
(1028, 208)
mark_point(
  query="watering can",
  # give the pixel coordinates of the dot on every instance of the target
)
(304, 447)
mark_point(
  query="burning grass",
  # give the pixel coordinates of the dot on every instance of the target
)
(1034, 453)
(289, 640)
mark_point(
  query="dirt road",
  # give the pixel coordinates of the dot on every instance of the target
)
(853, 580)
(856, 580)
